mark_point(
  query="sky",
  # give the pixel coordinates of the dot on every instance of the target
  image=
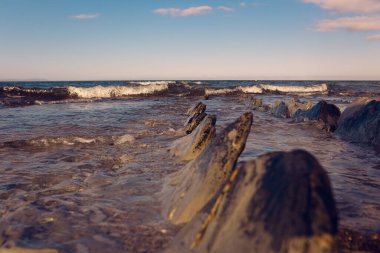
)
(189, 39)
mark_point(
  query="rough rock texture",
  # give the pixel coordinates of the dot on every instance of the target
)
(190, 146)
(325, 113)
(279, 202)
(185, 192)
(295, 104)
(360, 122)
(196, 115)
(280, 110)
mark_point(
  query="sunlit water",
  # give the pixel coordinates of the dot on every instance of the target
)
(83, 177)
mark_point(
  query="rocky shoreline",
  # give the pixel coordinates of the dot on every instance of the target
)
(277, 202)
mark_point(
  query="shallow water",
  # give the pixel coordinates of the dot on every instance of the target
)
(83, 177)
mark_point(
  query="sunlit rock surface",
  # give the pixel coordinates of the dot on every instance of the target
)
(188, 190)
(279, 202)
(190, 146)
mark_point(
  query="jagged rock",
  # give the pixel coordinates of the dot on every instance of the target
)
(295, 105)
(280, 202)
(185, 192)
(257, 103)
(323, 112)
(360, 122)
(196, 115)
(280, 110)
(190, 146)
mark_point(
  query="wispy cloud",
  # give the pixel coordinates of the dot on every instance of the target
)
(359, 23)
(226, 9)
(243, 4)
(360, 6)
(85, 16)
(177, 12)
(374, 37)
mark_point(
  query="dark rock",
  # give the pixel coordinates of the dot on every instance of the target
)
(188, 190)
(279, 202)
(280, 110)
(360, 122)
(323, 112)
(196, 115)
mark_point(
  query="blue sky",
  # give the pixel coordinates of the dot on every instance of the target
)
(190, 39)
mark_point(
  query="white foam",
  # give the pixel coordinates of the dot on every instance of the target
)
(127, 138)
(220, 91)
(296, 89)
(115, 91)
(251, 89)
(154, 82)
(61, 141)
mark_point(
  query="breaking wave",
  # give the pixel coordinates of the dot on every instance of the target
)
(70, 141)
(21, 96)
(116, 91)
(268, 88)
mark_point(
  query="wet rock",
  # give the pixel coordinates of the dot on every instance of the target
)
(295, 105)
(360, 122)
(280, 110)
(323, 112)
(185, 192)
(190, 146)
(279, 202)
(196, 115)
(257, 103)
(350, 241)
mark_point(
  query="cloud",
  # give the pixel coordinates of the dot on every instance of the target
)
(243, 4)
(374, 37)
(361, 6)
(177, 12)
(225, 9)
(85, 16)
(359, 23)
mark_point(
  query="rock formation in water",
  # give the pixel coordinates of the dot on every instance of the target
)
(360, 122)
(280, 110)
(280, 202)
(190, 146)
(185, 192)
(284, 110)
(196, 115)
(295, 105)
(323, 112)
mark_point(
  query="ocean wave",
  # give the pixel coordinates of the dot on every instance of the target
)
(70, 141)
(153, 82)
(320, 88)
(268, 88)
(22, 96)
(115, 91)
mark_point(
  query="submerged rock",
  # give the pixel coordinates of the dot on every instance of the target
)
(190, 146)
(323, 112)
(360, 122)
(188, 190)
(196, 115)
(280, 110)
(279, 202)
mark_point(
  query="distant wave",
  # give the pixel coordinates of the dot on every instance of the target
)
(268, 88)
(21, 96)
(153, 82)
(116, 91)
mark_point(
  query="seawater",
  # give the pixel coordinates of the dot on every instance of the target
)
(82, 175)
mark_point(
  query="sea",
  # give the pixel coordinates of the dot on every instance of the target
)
(81, 163)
